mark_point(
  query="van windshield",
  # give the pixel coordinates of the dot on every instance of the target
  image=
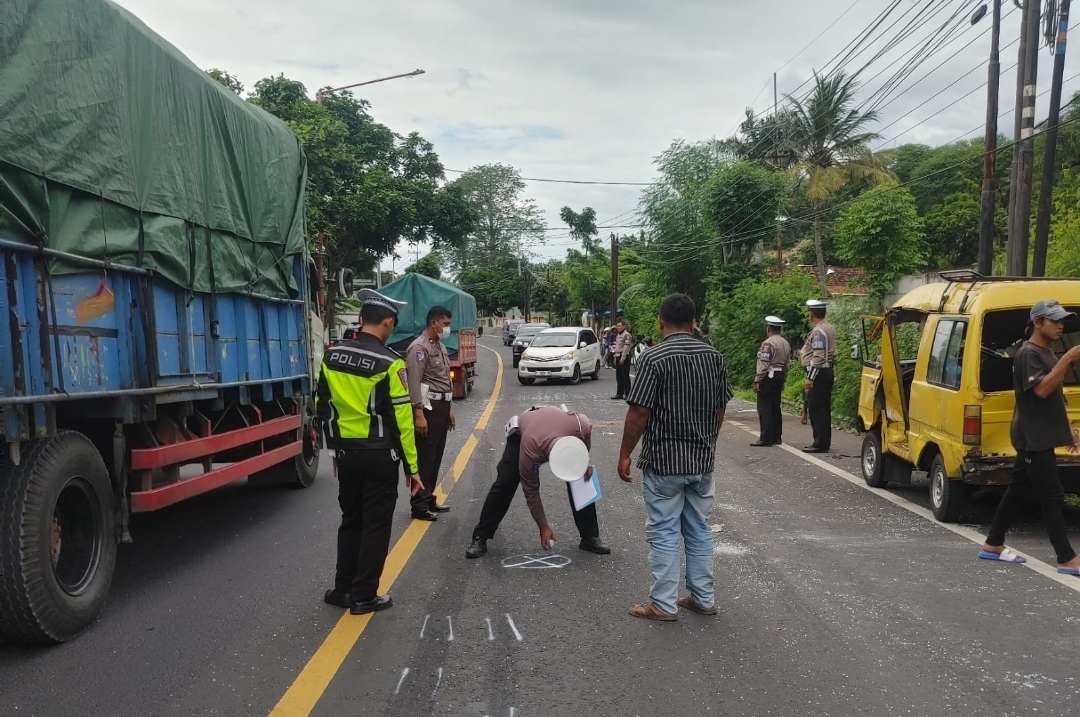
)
(554, 340)
(1003, 332)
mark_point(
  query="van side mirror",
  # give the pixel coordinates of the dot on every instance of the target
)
(856, 352)
(582, 345)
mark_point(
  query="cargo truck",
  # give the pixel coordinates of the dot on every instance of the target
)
(421, 293)
(155, 310)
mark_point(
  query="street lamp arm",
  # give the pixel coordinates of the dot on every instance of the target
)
(322, 93)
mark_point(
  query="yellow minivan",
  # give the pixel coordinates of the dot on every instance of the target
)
(939, 397)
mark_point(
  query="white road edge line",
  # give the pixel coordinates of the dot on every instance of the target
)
(1044, 569)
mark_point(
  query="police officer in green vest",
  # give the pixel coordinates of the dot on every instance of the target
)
(363, 402)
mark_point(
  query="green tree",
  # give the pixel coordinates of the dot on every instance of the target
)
(741, 204)
(881, 232)
(508, 224)
(588, 270)
(830, 139)
(226, 79)
(1063, 246)
(680, 246)
(428, 265)
(368, 187)
(952, 231)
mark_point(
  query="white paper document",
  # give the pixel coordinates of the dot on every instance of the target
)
(586, 492)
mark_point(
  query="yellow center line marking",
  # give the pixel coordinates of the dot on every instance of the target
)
(1042, 568)
(304, 693)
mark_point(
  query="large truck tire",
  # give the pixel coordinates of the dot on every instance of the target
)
(57, 539)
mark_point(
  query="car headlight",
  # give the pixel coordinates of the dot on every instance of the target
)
(568, 354)
(524, 354)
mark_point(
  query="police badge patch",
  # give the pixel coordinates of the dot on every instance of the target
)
(421, 355)
(817, 341)
(403, 374)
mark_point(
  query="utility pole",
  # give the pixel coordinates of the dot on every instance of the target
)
(986, 215)
(1042, 223)
(1020, 209)
(527, 309)
(614, 278)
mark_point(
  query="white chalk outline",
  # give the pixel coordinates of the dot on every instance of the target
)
(450, 622)
(491, 634)
(424, 626)
(514, 627)
(537, 562)
(438, 681)
(404, 674)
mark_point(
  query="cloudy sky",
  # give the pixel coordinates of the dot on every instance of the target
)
(593, 90)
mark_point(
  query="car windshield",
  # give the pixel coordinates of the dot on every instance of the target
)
(530, 330)
(554, 340)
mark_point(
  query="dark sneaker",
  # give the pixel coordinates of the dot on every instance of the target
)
(363, 607)
(476, 548)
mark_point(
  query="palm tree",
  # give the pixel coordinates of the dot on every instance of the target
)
(829, 138)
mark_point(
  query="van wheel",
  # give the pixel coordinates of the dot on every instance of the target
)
(526, 381)
(946, 495)
(58, 558)
(596, 373)
(873, 461)
(575, 379)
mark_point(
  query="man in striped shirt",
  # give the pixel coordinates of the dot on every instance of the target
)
(677, 404)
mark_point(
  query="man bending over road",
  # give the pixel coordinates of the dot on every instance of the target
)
(531, 438)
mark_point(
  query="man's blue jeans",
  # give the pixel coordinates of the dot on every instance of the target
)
(679, 505)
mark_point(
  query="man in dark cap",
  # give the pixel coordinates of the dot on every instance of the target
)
(1040, 424)
(363, 402)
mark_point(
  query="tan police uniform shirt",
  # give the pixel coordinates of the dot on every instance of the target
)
(773, 357)
(819, 351)
(428, 363)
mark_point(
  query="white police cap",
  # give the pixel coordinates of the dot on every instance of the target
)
(775, 321)
(815, 304)
(370, 297)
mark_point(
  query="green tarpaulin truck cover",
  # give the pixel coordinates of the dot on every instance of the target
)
(114, 145)
(421, 293)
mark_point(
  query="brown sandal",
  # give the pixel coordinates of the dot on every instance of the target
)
(650, 612)
(687, 603)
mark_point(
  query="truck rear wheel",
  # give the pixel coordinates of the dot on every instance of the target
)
(58, 542)
(300, 472)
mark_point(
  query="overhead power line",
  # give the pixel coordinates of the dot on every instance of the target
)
(568, 181)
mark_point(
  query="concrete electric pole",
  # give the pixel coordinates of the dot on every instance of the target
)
(1024, 155)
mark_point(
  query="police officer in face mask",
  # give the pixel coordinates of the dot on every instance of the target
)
(431, 393)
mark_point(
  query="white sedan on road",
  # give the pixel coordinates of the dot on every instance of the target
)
(564, 353)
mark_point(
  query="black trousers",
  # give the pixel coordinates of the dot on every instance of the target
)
(367, 493)
(1034, 471)
(768, 408)
(622, 377)
(502, 493)
(430, 449)
(819, 406)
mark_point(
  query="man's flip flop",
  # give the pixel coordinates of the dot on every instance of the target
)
(1075, 572)
(1005, 556)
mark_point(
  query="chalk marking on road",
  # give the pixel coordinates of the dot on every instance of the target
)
(536, 562)
(1042, 568)
(424, 626)
(308, 687)
(404, 674)
(491, 633)
(438, 681)
(450, 623)
(517, 635)
(513, 711)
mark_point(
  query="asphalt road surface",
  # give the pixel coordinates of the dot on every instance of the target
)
(834, 600)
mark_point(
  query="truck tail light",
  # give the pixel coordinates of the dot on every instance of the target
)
(453, 374)
(972, 425)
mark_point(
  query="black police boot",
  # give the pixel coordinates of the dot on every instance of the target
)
(436, 508)
(363, 607)
(594, 545)
(337, 598)
(477, 548)
(424, 514)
